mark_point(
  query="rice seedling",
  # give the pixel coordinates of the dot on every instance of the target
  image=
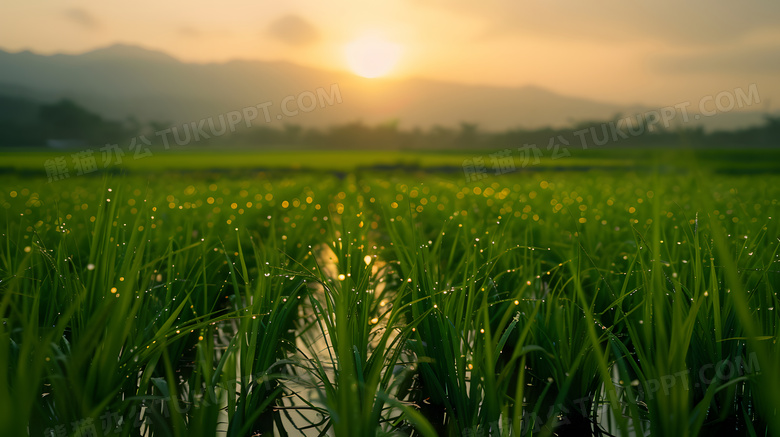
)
(382, 304)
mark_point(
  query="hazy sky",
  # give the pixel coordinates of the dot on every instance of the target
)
(659, 53)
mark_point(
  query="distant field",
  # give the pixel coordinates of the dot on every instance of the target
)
(621, 292)
(748, 160)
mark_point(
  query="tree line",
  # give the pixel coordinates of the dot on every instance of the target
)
(29, 124)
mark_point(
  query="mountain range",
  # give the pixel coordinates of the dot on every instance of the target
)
(124, 81)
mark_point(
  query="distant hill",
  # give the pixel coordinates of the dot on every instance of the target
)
(121, 81)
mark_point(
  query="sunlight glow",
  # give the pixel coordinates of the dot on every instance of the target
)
(372, 57)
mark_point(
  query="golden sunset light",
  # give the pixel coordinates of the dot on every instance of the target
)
(410, 218)
(629, 54)
(371, 56)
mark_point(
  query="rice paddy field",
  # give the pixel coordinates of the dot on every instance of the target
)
(596, 301)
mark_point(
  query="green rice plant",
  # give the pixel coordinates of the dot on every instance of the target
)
(544, 303)
(354, 319)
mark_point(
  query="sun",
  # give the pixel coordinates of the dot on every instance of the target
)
(371, 56)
